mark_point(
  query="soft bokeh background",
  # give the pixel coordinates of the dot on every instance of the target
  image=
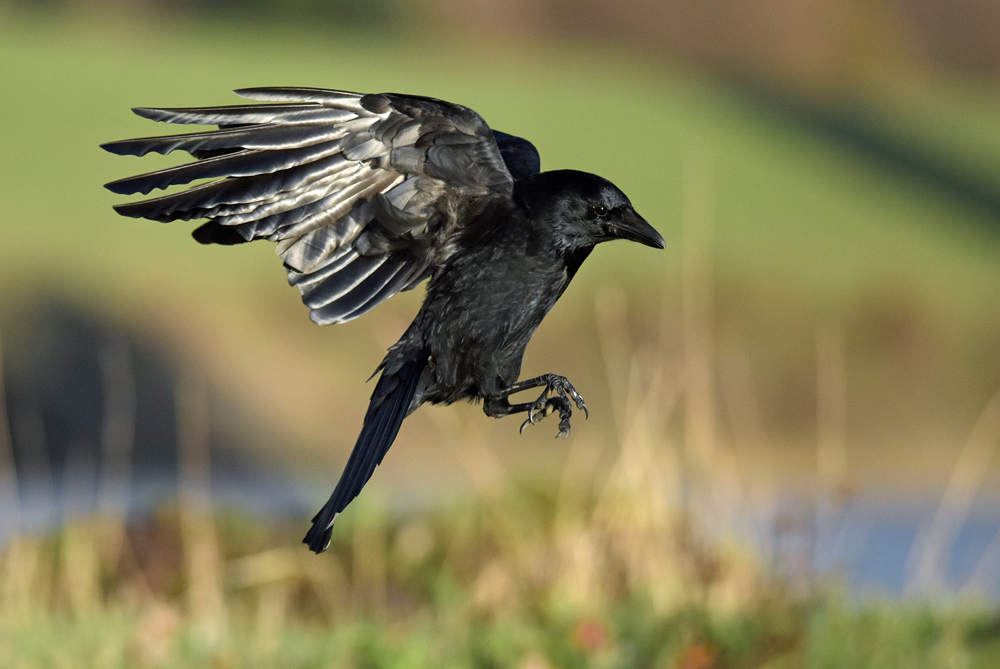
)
(810, 371)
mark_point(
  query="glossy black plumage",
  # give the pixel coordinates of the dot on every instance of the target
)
(368, 195)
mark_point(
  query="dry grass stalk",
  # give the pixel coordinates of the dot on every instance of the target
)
(202, 554)
(927, 562)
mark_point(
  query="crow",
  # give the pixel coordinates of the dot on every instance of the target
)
(369, 195)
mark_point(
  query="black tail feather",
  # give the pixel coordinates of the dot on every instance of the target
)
(388, 407)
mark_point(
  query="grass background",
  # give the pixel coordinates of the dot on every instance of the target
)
(819, 322)
(800, 230)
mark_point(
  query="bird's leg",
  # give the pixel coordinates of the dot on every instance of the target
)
(546, 403)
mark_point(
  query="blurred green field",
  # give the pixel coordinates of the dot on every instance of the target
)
(808, 299)
(524, 580)
(798, 232)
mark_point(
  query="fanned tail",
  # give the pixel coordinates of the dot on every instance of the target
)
(390, 401)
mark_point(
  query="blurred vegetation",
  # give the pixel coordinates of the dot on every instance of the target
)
(822, 321)
(791, 232)
(282, 14)
(528, 576)
(808, 48)
(371, 14)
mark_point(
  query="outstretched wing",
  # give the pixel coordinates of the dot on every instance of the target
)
(362, 193)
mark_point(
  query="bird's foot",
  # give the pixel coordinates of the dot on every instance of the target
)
(560, 401)
(544, 406)
(562, 386)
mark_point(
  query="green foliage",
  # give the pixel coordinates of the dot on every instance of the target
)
(282, 606)
(292, 14)
(798, 230)
(583, 572)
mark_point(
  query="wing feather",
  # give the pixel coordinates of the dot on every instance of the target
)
(264, 136)
(351, 275)
(248, 114)
(361, 193)
(328, 98)
(230, 198)
(246, 163)
(370, 275)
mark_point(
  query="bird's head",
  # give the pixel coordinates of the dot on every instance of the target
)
(584, 209)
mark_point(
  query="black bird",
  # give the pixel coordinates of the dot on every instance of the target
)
(368, 195)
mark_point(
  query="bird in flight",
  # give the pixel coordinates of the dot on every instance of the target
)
(369, 195)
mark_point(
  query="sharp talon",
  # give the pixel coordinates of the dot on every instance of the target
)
(558, 395)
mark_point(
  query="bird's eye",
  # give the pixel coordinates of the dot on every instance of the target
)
(599, 210)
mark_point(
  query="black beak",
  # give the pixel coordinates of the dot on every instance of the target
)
(634, 227)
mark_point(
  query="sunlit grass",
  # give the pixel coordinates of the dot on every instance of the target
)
(805, 297)
(516, 580)
(588, 570)
(649, 559)
(800, 228)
